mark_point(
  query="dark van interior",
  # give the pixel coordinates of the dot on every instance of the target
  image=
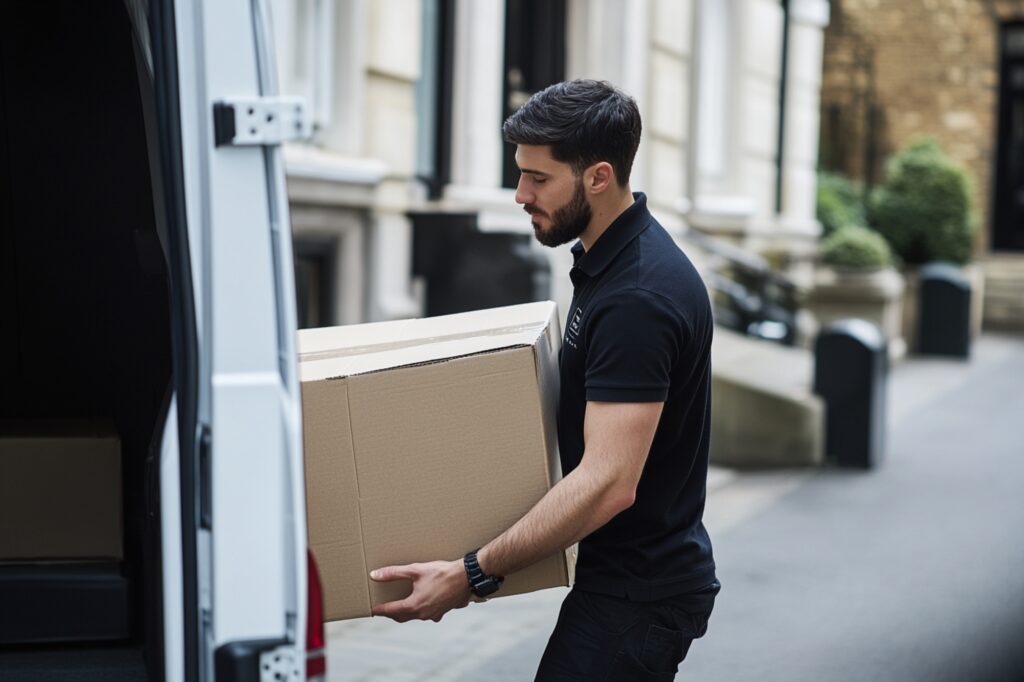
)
(84, 323)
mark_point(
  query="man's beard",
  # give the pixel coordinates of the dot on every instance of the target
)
(568, 222)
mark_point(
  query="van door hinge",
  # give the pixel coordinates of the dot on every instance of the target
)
(260, 121)
(282, 664)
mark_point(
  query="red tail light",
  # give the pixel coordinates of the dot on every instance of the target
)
(316, 662)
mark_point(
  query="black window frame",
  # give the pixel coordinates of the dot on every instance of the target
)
(324, 251)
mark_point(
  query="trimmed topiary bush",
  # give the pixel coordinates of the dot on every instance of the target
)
(924, 207)
(839, 202)
(852, 247)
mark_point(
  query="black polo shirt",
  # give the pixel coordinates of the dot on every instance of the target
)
(639, 330)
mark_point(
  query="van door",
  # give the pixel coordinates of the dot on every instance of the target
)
(237, 609)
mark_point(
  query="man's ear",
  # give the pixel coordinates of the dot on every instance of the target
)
(599, 177)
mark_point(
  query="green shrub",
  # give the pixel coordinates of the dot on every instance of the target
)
(856, 248)
(924, 207)
(839, 202)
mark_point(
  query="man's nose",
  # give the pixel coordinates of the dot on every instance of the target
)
(523, 196)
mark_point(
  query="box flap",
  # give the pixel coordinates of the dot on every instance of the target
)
(334, 352)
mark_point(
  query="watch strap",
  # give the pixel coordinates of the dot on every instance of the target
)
(480, 583)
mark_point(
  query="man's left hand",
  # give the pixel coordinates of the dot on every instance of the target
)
(437, 588)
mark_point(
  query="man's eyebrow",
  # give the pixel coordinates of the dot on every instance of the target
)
(534, 172)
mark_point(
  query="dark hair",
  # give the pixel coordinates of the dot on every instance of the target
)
(584, 122)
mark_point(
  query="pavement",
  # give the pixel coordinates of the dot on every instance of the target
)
(911, 571)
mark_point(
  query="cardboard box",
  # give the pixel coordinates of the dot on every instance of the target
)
(60, 491)
(425, 439)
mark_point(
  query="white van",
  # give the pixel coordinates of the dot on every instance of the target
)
(146, 281)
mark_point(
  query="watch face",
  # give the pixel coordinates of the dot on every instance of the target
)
(486, 587)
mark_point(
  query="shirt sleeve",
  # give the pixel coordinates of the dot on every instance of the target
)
(632, 345)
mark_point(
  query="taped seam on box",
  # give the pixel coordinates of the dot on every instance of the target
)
(359, 494)
(425, 363)
(313, 356)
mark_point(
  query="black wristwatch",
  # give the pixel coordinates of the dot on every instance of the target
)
(480, 584)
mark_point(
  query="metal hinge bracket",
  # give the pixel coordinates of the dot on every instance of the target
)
(261, 121)
(281, 664)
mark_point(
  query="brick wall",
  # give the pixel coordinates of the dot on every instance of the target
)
(896, 69)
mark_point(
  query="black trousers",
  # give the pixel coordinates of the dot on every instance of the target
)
(599, 638)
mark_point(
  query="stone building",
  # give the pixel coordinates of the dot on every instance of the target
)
(951, 69)
(407, 173)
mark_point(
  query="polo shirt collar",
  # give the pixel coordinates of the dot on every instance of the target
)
(621, 232)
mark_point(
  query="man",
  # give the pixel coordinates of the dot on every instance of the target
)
(633, 417)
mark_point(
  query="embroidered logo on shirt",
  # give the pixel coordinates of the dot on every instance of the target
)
(572, 332)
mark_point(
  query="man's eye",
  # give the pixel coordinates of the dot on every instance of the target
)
(540, 181)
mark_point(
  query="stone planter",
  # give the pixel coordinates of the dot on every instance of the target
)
(872, 295)
(975, 275)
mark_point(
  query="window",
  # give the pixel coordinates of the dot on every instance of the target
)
(434, 93)
(314, 281)
(534, 59)
(1015, 42)
(320, 48)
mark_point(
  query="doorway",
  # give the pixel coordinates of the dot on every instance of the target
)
(1008, 223)
(534, 59)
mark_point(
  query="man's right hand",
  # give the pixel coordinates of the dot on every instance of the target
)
(437, 588)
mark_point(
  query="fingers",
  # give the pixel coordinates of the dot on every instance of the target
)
(400, 611)
(437, 588)
(389, 573)
(406, 610)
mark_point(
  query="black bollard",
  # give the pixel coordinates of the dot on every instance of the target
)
(851, 374)
(944, 311)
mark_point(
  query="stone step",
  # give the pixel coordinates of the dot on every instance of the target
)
(1004, 272)
(1003, 264)
(1003, 318)
(1013, 323)
(1005, 306)
(1003, 312)
(764, 413)
(1004, 298)
(1004, 291)
(1007, 302)
(1004, 278)
(1008, 293)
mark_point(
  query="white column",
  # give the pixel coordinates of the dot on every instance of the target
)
(610, 40)
(476, 110)
(636, 55)
(756, 101)
(391, 295)
(721, 202)
(808, 19)
(348, 93)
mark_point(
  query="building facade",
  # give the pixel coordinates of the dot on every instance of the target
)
(403, 202)
(950, 69)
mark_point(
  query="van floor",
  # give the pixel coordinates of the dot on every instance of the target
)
(122, 663)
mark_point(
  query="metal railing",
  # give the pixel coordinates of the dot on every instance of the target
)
(748, 296)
